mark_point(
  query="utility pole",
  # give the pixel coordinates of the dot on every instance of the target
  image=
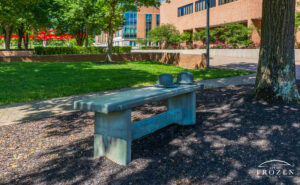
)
(207, 32)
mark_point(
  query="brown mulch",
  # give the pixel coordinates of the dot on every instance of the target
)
(234, 134)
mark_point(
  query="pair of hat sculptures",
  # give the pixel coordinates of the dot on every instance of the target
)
(167, 80)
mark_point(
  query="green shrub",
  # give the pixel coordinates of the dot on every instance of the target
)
(77, 50)
(149, 47)
(121, 49)
(233, 33)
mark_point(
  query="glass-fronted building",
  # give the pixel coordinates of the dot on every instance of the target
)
(137, 25)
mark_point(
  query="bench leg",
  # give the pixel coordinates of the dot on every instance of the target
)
(187, 103)
(113, 136)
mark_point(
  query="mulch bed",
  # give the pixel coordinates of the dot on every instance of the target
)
(234, 134)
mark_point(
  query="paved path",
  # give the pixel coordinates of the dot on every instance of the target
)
(20, 113)
(241, 63)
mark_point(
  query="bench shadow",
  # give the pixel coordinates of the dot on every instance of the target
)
(233, 135)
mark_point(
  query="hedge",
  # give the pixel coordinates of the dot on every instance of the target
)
(149, 47)
(77, 50)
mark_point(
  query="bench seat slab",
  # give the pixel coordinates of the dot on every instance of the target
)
(122, 101)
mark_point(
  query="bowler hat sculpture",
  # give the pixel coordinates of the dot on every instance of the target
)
(185, 78)
(166, 81)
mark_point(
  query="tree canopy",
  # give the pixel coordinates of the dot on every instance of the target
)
(75, 17)
(165, 34)
(21, 17)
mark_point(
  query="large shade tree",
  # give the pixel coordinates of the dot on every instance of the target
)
(75, 17)
(32, 16)
(8, 18)
(276, 76)
(112, 16)
(21, 17)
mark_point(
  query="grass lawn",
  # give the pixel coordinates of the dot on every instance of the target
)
(22, 82)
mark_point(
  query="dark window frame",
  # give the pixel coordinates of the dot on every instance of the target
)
(201, 5)
(222, 2)
(185, 10)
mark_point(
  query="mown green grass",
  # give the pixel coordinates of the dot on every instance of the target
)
(23, 82)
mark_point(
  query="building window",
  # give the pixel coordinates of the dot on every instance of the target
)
(148, 23)
(157, 20)
(201, 5)
(185, 10)
(130, 28)
(132, 43)
(221, 2)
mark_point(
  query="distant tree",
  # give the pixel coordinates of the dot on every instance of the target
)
(186, 37)
(31, 17)
(112, 17)
(165, 34)
(8, 18)
(20, 17)
(276, 76)
(297, 21)
(76, 17)
(141, 41)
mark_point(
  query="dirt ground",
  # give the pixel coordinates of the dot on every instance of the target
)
(233, 135)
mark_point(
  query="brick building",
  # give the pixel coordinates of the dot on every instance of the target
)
(137, 25)
(193, 18)
(190, 15)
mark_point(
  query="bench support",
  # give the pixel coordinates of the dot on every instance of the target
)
(114, 131)
(113, 136)
(150, 125)
(186, 102)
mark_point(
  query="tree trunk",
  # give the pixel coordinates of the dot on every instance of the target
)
(86, 36)
(26, 41)
(8, 29)
(21, 35)
(276, 76)
(79, 40)
(108, 57)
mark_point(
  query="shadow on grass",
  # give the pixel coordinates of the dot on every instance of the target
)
(233, 135)
(47, 80)
(42, 81)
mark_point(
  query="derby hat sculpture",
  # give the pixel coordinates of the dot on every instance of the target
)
(166, 81)
(185, 78)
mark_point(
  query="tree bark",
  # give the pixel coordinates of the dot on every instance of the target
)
(276, 76)
(21, 35)
(8, 29)
(108, 57)
(79, 40)
(26, 41)
(86, 36)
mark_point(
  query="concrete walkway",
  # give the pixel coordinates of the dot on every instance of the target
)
(20, 113)
(241, 63)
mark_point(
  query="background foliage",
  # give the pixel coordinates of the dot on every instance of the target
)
(77, 50)
(230, 33)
